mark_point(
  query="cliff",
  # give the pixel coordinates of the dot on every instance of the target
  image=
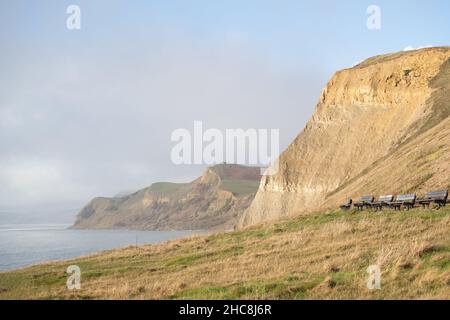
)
(380, 127)
(213, 201)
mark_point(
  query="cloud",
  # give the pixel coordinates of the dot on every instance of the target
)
(411, 48)
(36, 181)
(31, 176)
(86, 122)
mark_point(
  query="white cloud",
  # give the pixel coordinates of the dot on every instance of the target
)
(411, 48)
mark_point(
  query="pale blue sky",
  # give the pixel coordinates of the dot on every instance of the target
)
(288, 32)
(90, 112)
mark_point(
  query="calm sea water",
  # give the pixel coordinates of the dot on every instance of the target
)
(25, 244)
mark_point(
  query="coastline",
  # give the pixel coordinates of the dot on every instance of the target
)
(26, 245)
(287, 259)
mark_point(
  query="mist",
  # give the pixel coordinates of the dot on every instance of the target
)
(97, 121)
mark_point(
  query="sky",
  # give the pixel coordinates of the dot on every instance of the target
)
(90, 112)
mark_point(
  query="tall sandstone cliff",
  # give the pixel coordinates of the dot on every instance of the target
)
(381, 127)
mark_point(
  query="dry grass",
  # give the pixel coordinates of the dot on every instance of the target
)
(311, 257)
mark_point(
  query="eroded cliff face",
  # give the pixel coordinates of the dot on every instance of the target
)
(213, 201)
(366, 136)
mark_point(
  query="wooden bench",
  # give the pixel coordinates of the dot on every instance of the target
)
(406, 200)
(438, 197)
(347, 205)
(364, 202)
(383, 201)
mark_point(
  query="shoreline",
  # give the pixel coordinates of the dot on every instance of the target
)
(289, 259)
(24, 249)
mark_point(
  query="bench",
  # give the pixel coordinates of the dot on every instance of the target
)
(406, 200)
(347, 205)
(438, 197)
(383, 201)
(364, 202)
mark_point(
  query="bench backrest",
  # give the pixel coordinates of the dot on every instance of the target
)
(437, 195)
(406, 197)
(387, 198)
(366, 199)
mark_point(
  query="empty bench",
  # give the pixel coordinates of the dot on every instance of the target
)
(347, 205)
(383, 201)
(437, 197)
(405, 200)
(364, 202)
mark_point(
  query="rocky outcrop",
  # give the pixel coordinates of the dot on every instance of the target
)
(213, 201)
(380, 127)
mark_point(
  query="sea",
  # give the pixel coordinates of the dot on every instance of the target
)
(26, 244)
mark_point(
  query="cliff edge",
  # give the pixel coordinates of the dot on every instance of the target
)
(381, 127)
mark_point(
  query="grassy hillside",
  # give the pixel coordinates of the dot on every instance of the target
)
(310, 257)
(165, 187)
(240, 187)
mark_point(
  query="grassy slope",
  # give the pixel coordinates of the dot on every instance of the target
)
(240, 187)
(166, 187)
(318, 256)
